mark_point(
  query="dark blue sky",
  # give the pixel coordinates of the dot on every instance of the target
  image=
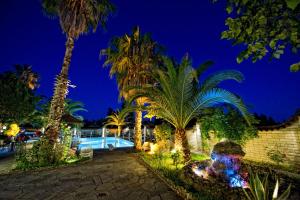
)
(28, 37)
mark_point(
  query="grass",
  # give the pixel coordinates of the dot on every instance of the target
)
(199, 157)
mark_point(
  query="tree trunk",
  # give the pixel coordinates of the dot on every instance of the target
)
(181, 144)
(119, 131)
(138, 130)
(60, 92)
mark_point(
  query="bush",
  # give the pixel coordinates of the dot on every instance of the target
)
(228, 124)
(276, 155)
(162, 132)
(67, 140)
(42, 154)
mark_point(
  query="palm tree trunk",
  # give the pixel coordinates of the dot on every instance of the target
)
(119, 131)
(57, 102)
(138, 130)
(181, 144)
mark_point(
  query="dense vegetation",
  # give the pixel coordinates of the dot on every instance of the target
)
(17, 96)
(227, 124)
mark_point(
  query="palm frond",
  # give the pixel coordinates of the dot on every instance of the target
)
(178, 100)
(203, 67)
(215, 79)
(216, 96)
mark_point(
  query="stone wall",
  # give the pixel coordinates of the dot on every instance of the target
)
(284, 139)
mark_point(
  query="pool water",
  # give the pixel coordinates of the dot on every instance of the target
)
(102, 143)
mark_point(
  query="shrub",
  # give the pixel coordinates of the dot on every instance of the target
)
(228, 124)
(177, 158)
(276, 155)
(42, 153)
(67, 139)
(162, 132)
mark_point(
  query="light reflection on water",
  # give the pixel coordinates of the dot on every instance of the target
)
(102, 143)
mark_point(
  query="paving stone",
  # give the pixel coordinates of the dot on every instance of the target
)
(155, 198)
(86, 195)
(8, 195)
(97, 180)
(168, 196)
(134, 195)
(110, 176)
(105, 187)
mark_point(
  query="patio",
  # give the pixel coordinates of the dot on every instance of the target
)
(110, 175)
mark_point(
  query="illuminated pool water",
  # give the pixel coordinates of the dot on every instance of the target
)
(102, 143)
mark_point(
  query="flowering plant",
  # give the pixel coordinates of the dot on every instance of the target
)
(13, 130)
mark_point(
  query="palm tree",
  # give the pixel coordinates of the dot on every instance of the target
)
(132, 58)
(118, 119)
(179, 98)
(76, 17)
(72, 107)
(27, 76)
(40, 116)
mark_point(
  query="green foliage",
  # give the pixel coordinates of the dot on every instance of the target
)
(162, 132)
(292, 4)
(79, 17)
(264, 27)
(179, 98)
(119, 118)
(259, 190)
(67, 139)
(177, 158)
(72, 108)
(199, 157)
(230, 125)
(131, 59)
(165, 166)
(41, 114)
(17, 97)
(275, 154)
(42, 154)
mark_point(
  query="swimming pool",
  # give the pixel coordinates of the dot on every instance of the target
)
(102, 143)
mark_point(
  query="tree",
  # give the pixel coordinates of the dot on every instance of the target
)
(264, 120)
(72, 107)
(132, 58)
(76, 17)
(41, 114)
(227, 123)
(27, 76)
(268, 26)
(179, 98)
(118, 119)
(17, 95)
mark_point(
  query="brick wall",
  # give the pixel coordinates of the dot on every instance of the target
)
(285, 140)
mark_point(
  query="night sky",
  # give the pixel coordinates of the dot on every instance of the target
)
(27, 36)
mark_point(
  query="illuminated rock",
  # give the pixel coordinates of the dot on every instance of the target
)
(225, 164)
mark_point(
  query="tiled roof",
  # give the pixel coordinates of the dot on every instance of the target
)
(285, 124)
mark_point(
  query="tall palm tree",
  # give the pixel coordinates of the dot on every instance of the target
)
(132, 57)
(76, 17)
(118, 119)
(179, 98)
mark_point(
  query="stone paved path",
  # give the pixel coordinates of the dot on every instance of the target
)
(111, 175)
